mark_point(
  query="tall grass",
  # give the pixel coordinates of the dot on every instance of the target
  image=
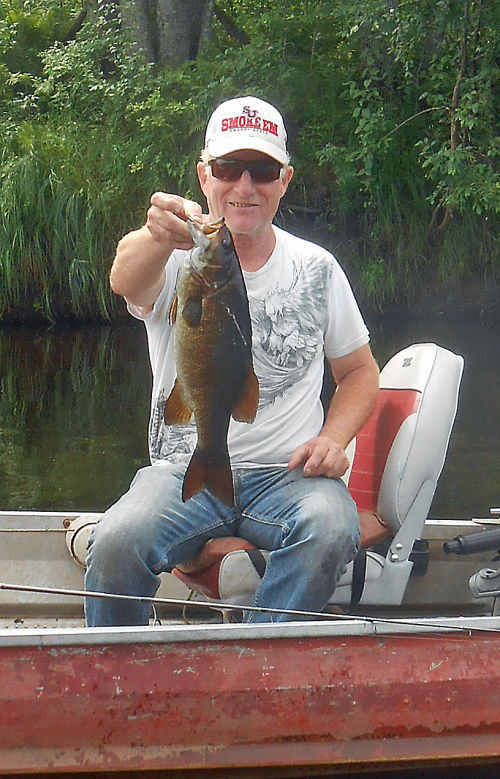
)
(66, 198)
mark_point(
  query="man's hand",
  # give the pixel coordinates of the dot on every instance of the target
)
(320, 457)
(138, 271)
(167, 217)
(357, 378)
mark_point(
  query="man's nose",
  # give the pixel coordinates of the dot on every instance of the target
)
(245, 181)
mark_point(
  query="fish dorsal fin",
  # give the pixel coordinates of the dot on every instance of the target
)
(177, 412)
(246, 407)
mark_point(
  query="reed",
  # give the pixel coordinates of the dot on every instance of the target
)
(67, 197)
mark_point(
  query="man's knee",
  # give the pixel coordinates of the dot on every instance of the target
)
(330, 522)
(115, 540)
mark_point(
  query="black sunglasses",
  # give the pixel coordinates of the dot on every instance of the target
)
(261, 171)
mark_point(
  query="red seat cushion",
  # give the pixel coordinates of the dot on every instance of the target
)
(374, 442)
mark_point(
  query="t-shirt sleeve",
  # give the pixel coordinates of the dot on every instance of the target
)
(346, 330)
(159, 312)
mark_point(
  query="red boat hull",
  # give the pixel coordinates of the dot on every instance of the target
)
(321, 701)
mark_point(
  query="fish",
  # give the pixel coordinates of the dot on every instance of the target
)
(213, 354)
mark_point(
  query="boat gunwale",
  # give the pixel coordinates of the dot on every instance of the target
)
(462, 627)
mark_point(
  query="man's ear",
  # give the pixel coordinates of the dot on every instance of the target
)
(286, 178)
(201, 170)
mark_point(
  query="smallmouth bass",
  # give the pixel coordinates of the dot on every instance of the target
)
(213, 355)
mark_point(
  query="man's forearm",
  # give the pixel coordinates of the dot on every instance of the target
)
(138, 269)
(352, 404)
(357, 379)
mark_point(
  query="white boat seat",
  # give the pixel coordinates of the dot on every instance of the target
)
(398, 458)
(238, 577)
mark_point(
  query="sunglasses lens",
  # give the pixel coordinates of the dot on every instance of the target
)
(226, 170)
(264, 172)
(261, 171)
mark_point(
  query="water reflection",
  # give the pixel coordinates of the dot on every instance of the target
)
(73, 415)
(74, 409)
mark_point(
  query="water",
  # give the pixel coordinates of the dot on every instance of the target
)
(74, 410)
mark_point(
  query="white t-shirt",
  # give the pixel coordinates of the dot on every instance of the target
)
(302, 308)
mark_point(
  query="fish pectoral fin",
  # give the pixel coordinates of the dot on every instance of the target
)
(202, 472)
(176, 412)
(172, 311)
(192, 311)
(246, 407)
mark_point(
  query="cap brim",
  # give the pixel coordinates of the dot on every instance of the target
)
(219, 148)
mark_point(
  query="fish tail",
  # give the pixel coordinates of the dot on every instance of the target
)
(214, 474)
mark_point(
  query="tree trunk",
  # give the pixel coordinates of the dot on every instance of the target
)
(136, 22)
(208, 13)
(182, 26)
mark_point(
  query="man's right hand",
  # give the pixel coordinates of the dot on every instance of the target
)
(138, 271)
(167, 217)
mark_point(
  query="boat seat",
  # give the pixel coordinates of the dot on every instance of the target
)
(396, 461)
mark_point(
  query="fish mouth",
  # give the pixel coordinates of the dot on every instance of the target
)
(202, 233)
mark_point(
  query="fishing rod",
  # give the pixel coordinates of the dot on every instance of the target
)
(222, 606)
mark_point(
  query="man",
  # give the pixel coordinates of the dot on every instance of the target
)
(287, 465)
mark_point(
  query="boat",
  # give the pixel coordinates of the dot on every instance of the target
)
(402, 669)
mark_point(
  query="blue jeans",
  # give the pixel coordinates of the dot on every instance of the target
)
(310, 525)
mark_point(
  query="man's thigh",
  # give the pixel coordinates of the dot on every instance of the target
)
(276, 502)
(152, 516)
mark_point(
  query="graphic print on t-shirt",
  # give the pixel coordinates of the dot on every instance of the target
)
(287, 330)
(175, 443)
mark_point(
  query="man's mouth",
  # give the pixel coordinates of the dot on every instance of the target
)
(236, 204)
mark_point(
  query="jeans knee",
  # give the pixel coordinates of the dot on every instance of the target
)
(116, 543)
(330, 525)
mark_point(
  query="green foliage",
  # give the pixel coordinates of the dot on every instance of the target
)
(27, 28)
(89, 130)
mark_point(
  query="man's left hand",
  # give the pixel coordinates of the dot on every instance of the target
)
(320, 457)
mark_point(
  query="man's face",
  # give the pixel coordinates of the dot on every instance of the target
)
(247, 205)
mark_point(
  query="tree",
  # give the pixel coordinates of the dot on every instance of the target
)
(168, 32)
(184, 27)
(136, 19)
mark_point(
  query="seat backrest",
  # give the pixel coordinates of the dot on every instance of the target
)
(403, 446)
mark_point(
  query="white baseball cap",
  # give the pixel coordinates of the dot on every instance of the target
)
(246, 123)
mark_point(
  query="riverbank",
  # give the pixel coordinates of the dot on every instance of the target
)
(471, 299)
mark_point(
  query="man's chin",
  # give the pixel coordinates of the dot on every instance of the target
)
(242, 222)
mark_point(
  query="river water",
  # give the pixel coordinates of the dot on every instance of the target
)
(75, 401)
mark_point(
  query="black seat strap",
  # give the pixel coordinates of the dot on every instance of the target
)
(258, 560)
(358, 577)
(358, 572)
